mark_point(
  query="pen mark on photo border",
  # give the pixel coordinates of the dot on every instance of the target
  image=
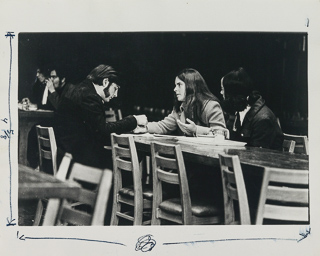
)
(10, 221)
(24, 238)
(145, 243)
(303, 234)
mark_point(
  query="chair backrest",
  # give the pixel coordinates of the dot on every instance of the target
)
(113, 115)
(234, 190)
(284, 195)
(168, 167)
(302, 143)
(288, 146)
(125, 159)
(119, 112)
(110, 116)
(93, 197)
(47, 148)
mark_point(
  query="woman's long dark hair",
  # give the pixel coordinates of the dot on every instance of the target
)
(239, 91)
(197, 92)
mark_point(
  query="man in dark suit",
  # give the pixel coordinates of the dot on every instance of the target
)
(46, 92)
(81, 128)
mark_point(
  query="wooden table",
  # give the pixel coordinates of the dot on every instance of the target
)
(27, 119)
(253, 160)
(206, 151)
(37, 185)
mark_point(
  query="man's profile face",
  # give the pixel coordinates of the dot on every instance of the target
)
(112, 92)
(41, 78)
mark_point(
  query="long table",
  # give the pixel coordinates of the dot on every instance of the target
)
(37, 185)
(206, 151)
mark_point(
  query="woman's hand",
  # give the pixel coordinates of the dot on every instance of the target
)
(188, 129)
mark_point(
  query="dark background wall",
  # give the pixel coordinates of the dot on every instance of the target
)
(149, 62)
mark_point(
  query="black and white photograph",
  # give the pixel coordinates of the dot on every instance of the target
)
(229, 95)
(140, 132)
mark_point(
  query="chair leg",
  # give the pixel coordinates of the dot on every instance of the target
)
(116, 207)
(148, 169)
(138, 215)
(155, 220)
(38, 214)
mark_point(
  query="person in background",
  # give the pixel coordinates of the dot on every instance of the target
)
(196, 110)
(37, 88)
(80, 123)
(254, 122)
(46, 92)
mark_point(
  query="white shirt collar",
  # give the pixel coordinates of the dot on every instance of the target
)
(243, 113)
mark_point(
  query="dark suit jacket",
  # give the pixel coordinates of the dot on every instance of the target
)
(81, 127)
(52, 100)
(260, 128)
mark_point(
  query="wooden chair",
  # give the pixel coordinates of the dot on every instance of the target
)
(125, 159)
(47, 160)
(288, 146)
(302, 143)
(284, 196)
(47, 148)
(94, 195)
(119, 114)
(168, 167)
(234, 190)
(110, 115)
(113, 115)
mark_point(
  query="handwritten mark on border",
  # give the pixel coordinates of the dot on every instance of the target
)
(145, 243)
(305, 233)
(10, 221)
(24, 238)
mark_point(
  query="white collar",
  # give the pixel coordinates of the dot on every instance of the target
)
(243, 113)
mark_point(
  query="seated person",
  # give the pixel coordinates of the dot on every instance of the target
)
(81, 128)
(254, 122)
(46, 92)
(196, 110)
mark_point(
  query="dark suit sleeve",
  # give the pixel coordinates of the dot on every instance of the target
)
(54, 99)
(263, 134)
(94, 118)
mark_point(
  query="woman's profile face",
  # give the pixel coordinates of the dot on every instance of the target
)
(180, 89)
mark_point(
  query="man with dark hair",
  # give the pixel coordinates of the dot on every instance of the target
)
(254, 122)
(81, 128)
(46, 92)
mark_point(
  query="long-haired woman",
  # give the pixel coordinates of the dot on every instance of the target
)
(196, 110)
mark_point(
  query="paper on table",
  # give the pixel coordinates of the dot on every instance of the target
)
(143, 134)
(211, 141)
(206, 140)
